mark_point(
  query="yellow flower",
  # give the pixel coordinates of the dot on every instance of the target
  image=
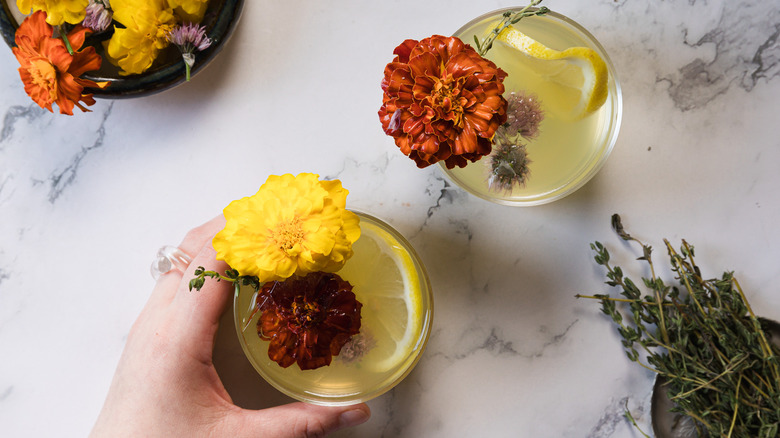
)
(190, 11)
(293, 225)
(147, 23)
(57, 11)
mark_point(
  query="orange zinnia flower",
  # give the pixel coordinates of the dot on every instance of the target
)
(442, 101)
(51, 74)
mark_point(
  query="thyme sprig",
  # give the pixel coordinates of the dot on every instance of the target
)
(509, 18)
(702, 337)
(230, 275)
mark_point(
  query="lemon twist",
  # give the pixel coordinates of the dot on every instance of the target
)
(577, 71)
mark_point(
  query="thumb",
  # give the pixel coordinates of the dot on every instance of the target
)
(300, 420)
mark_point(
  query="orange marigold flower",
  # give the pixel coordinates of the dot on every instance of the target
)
(442, 101)
(307, 319)
(51, 74)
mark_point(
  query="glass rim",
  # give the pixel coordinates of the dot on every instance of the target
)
(415, 354)
(615, 121)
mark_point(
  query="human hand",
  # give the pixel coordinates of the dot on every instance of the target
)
(166, 383)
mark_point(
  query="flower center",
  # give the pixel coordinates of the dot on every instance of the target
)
(158, 34)
(289, 235)
(447, 99)
(306, 314)
(163, 30)
(44, 75)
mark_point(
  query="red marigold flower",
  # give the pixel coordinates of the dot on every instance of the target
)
(51, 74)
(307, 319)
(442, 101)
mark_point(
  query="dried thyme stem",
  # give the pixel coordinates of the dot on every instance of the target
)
(736, 408)
(617, 300)
(508, 19)
(765, 346)
(703, 337)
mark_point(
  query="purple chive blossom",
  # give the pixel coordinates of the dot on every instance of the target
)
(507, 164)
(357, 347)
(188, 38)
(98, 16)
(524, 114)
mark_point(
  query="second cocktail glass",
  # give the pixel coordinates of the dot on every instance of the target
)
(570, 144)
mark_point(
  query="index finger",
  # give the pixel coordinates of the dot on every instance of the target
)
(191, 245)
(196, 238)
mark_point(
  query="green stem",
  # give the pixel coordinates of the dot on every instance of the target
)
(64, 37)
(631, 419)
(736, 408)
(708, 384)
(620, 300)
(765, 346)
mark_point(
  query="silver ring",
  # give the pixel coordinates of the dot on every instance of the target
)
(169, 258)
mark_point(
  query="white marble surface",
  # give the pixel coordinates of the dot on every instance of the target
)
(86, 201)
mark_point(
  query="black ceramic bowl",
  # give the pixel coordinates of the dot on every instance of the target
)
(167, 71)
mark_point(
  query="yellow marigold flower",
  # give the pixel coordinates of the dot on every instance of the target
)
(190, 11)
(147, 23)
(293, 225)
(57, 11)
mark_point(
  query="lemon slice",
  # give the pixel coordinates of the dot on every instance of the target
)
(578, 73)
(386, 281)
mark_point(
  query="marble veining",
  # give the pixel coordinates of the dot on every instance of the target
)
(512, 352)
(3, 276)
(746, 50)
(497, 345)
(613, 418)
(13, 114)
(445, 195)
(390, 426)
(3, 183)
(59, 180)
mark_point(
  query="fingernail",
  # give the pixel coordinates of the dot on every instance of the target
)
(353, 418)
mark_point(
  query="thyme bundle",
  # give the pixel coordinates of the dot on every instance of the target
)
(702, 338)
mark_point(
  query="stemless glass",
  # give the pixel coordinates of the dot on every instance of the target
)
(349, 378)
(568, 151)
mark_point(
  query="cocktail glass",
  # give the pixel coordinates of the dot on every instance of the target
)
(390, 281)
(568, 151)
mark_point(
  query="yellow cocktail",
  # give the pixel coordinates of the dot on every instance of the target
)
(397, 309)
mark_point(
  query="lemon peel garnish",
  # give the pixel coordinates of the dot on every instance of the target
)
(578, 71)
